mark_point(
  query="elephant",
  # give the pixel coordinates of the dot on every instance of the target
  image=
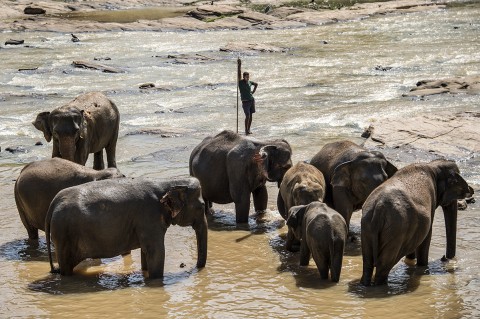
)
(323, 233)
(88, 124)
(397, 217)
(40, 181)
(302, 184)
(110, 217)
(230, 167)
(351, 173)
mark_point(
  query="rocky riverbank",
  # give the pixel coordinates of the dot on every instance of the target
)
(172, 15)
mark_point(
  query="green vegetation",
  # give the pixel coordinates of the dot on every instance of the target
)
(308, 4)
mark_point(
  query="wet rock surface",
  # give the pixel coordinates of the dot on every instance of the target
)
(203, 15)
(429, 136)
(469, 85)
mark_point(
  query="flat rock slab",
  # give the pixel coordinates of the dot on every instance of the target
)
(454, 136)
(96, 66)
(245, 47)
(469, 85)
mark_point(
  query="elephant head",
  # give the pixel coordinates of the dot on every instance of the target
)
(305, 193)
(275, 160)
(450, 187)
(186, 208)
(66, 125)
(354, 180)
(295, 220)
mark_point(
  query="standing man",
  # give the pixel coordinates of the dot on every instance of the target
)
(246, 95)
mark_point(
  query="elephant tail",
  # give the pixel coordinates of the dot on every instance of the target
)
(47, 236)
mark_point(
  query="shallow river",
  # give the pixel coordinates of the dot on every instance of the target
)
(324, 86)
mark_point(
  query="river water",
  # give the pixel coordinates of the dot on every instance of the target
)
(324, 86)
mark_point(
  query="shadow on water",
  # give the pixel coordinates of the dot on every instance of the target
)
(402, 279)
(258, 223)
(83, 282)
(305, 277)
(25, 250)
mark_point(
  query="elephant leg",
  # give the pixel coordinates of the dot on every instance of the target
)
(281, 206)
(208, 206)
(110, 149)
(291, 242)
(66, 261)
(412, 255)
(260, 198)
(367, 256)
(143, 259)
(304, 253)
(343, 204)
(98, 163)
(322, 263)
(32, 231)
(383, 268)
(422, 250)
(336, 262)
(242, 208)
(155, 256)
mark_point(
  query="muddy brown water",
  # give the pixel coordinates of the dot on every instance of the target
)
(310, 94)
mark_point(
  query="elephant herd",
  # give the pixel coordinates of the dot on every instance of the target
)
(100, 213)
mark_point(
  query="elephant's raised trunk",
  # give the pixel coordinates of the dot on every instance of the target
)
(450, 216)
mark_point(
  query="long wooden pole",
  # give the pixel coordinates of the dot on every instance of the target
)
(239, 67)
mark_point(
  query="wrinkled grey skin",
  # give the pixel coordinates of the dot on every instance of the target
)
(398, 216)
(323, 233)
(231, 167)
(351, 173)
(88, 124)
(108, 218)
(302, 184)
(40, 181)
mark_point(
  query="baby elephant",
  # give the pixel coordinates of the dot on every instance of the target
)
(40, 181)
(323, 233)
(107, 218)
(302, 184)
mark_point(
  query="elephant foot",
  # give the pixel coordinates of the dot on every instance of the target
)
(409, 261)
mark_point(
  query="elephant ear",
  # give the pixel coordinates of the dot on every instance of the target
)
(295, 216)
(455, 188)
(389, 168)
(174, 200)
(341, 175)
(41, 123)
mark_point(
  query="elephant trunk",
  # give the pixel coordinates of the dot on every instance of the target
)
(450, 216)
(201, 231)
(67, 148)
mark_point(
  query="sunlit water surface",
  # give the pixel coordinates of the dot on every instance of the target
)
(325, 86)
